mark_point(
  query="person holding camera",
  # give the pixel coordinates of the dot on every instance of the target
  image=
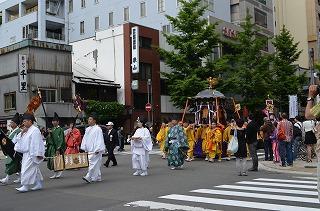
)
(312, 112)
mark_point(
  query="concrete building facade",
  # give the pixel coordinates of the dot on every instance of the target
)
(302, 19)
(42, 20)
(261, 12)
(23, 72)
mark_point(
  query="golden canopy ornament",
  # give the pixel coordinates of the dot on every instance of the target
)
(212, 82)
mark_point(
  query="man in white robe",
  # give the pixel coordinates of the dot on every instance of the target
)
(93, 144)
(29, 142)
(141, 145)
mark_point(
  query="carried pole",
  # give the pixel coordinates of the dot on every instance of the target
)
(185, 110)
(217, 110)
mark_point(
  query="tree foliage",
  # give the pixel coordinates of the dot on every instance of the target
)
(106, 111)
(286, 81)
(193, 44)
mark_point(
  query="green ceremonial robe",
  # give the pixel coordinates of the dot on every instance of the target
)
(13, 166)
(55, 142)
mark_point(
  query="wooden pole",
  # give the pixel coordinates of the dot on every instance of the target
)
(234, 105)
(185, 110)
(217, 110)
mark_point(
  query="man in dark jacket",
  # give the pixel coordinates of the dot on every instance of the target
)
(251, 136)
(111, 140)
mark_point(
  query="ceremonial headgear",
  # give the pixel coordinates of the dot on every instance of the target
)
(16, 119)
(55, 117)
(27, 116)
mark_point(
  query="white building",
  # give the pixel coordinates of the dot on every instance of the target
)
(88, 16)
(42, 20)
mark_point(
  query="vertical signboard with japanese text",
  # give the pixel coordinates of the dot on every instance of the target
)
(293, 106)
(135, 49)
(23, 83)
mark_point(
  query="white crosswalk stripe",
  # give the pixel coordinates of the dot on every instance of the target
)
(278, 185)
(296, 194)
(286, 181)
(270, 190)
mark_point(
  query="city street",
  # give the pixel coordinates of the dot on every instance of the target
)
(201, 186)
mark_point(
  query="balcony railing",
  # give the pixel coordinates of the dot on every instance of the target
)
(32, 34)
(54, 35)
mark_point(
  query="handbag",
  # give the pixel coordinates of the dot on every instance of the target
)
(233, 144)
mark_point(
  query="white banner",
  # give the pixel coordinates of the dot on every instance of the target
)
(23, 83)
(135, 49)
(293, 106)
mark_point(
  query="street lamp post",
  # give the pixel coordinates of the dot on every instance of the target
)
(149, 96)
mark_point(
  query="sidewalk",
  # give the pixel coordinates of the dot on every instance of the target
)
(299, 167)
(2, 157)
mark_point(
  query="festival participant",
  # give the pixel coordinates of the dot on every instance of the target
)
(214, 147)
(161, 137)
(56, 145)
(13, 166)
(141, 144)
(73, 139)
(29, 142)
(176, 145)
(189, 130)
(204, 135)
(93, 144)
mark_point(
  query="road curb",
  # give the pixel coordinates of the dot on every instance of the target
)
(264, 167)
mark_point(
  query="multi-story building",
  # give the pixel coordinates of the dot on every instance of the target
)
(42, 20)
(23, 73)
(86, 17)
(261, 12)
(302, 19)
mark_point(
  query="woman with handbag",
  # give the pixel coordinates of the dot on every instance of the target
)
(241, 154)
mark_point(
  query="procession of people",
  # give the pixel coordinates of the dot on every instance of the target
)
(283, 142)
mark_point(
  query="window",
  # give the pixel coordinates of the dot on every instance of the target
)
(126, 14)
(160, 5)
(260, 18)
(263, 1)
(97, 23)
(49, 95)
(140, 100)
(145, 42)
(83, 3)
(164, 90)
(70, 6)
(143, 12)
(110, 18)
(82, 27)
(166, 28)
(145, 71)
(10, 101)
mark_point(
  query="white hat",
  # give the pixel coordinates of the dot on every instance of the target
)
(110, 124)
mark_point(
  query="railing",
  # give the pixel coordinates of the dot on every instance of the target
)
(54, 35)
(32, 34)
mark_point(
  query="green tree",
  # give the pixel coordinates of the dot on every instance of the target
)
(286, 81)
(106, 111)
(193, 44)
(248, 75)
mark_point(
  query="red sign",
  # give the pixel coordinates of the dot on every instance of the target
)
(148, 107)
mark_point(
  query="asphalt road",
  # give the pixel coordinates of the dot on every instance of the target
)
(165, 189)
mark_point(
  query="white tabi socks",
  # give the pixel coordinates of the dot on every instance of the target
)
(53, 176)
(58, 174)
(38, 186)
(23, 189)
(5, 180)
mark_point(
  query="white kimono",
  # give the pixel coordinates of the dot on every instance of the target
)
(31, 145)
(93, 144)
(140, 149)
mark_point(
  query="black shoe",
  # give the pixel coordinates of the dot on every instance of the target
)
(106, 165)
(253, 169)
(271, 159)
(114, 164)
